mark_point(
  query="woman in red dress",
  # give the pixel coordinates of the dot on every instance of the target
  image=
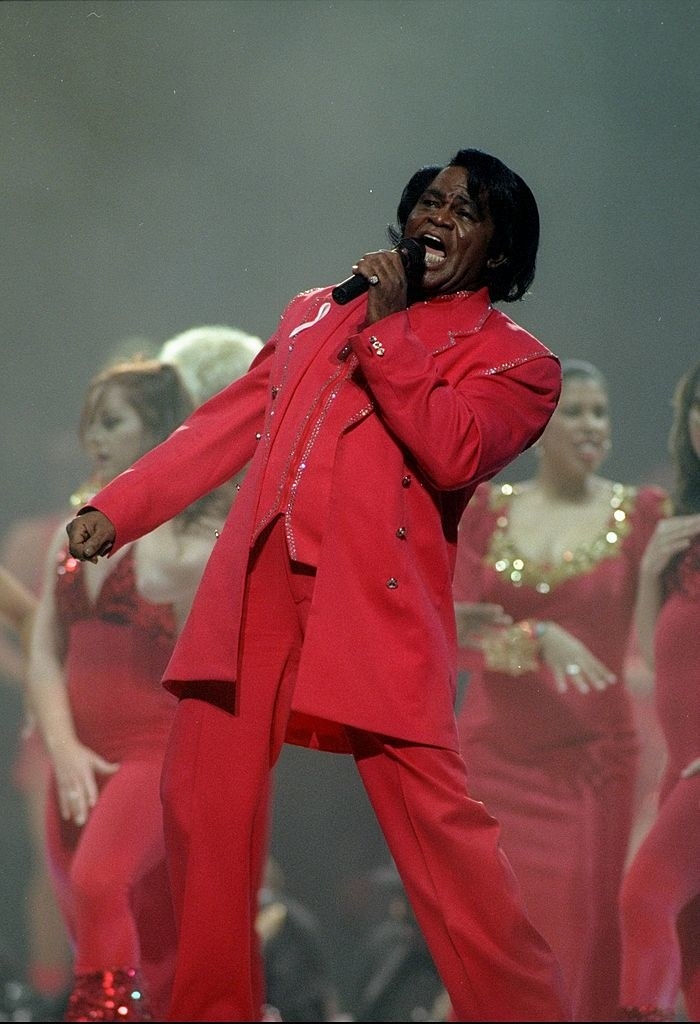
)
(660, 898)
(547, 725)
(103, 636)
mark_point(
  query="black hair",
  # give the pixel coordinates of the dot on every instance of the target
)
(512, 207)
(685, 494)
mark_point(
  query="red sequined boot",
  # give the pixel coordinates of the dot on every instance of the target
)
(650, 1013)
(107, 995)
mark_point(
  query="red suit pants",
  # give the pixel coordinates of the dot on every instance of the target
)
(216, 795)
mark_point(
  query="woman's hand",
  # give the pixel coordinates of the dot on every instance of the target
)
(75, 769)
(671, 535)
(571, 662)
(475, 618)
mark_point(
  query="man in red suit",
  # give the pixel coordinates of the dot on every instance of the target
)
(325, 614)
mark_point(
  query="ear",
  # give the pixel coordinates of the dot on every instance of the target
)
(495, 261)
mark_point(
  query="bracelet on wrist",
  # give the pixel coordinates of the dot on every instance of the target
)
(536, 628)
(514, 650)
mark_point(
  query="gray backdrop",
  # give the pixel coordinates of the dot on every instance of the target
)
(169, 163)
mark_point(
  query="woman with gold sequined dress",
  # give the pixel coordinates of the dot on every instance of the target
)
(547, 726)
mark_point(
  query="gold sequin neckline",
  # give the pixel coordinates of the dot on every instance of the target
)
(513, 567)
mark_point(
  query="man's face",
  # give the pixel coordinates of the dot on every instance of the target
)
(456, 230)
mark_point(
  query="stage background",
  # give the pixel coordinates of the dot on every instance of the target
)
(169, 163)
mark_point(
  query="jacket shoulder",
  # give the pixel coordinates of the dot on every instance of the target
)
(309, 297)
(503, 346)
(502, 328)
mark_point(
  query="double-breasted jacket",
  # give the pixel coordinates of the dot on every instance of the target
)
(428, 402)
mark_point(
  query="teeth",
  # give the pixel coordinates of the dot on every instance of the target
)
(433, 258)
(433, 242)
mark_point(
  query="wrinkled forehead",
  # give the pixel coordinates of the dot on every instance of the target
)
(452, 184)
(452, 179)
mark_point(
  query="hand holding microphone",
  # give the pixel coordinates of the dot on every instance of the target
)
(412, 253)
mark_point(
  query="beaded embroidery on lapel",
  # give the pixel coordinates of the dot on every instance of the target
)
(327, 394)
(350, 365)
(452, 336)
(323, 310)
(330, 388)
(525, 358)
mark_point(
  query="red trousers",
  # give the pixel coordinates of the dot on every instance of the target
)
(216, 795)
(110, 879)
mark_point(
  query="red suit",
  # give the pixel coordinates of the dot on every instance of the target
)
(324, 617)
(660, 899)
(109, 874)
(559, 770)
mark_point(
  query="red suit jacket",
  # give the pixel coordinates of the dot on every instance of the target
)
(438, 397)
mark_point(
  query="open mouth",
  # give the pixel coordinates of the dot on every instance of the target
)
(589, 449)
(434, 250)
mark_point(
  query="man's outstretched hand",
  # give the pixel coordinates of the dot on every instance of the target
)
(90, 535)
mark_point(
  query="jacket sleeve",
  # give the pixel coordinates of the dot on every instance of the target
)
(474, 534)
(464, 427)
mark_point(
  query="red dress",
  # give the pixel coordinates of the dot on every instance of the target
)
(109, 874)
(559, 770)
(660, 901)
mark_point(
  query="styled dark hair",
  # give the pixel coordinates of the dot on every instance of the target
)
(154, 390)
(513, 210)
(685, 494)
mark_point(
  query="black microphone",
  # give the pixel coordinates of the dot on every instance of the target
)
(412, 253)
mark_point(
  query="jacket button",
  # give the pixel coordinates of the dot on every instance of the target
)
(392, 583)
(406, 481)
(258, 436)
(275, 392)
(401, 533)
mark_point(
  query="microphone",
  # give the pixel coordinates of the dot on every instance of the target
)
(412, 253)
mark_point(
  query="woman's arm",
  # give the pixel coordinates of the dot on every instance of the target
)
(170, 561)
(17, 606)
(47, 696)
(671, 536)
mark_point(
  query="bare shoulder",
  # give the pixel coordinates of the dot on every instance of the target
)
(169, 561)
